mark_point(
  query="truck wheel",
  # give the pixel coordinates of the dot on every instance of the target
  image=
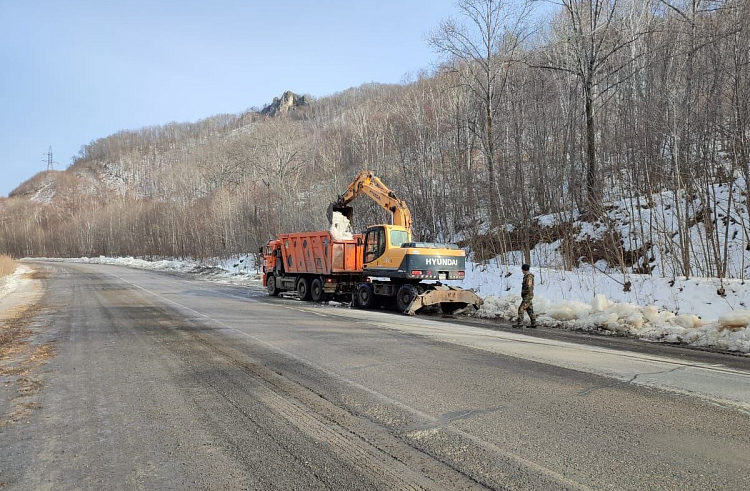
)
(316, 290)
(405, 296)
(271, 285)
(303, 289)
(355, 300)
(365, 296)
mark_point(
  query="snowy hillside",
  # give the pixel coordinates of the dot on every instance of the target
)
(653, 235)
(659, 232)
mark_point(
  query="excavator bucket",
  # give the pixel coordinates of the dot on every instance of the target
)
(451, 299)
(347, 211)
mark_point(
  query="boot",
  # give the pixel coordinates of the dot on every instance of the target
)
(532, 325)
(518, 324)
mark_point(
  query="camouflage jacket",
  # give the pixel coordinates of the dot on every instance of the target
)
(527, 288)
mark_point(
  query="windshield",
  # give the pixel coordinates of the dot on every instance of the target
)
(399, 237)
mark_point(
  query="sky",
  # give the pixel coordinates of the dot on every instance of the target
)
(74, 70)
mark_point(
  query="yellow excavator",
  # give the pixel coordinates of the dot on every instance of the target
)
(397, 268)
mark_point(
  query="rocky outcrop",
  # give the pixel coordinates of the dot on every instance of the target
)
(289, 101)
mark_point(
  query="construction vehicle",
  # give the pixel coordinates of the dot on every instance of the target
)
(314, 264)
(383, 266)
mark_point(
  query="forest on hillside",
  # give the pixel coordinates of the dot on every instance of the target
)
(603, 101)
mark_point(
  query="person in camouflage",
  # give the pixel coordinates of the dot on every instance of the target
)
(527, 298)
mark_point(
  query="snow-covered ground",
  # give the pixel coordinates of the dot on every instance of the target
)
(9, 283)
(611, 298)
(663, 229)
(655, 309)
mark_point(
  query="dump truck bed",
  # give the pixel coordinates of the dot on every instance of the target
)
(319, 253)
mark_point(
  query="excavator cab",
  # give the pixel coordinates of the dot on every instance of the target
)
(374, 244)
(383, 247)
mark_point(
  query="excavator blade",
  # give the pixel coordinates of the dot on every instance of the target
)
(451, 299)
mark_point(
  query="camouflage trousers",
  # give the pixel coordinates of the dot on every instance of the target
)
(526, 306)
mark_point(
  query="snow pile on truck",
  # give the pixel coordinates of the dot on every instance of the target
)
(341, 227)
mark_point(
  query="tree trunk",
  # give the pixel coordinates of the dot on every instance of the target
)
(494, 208)
(592, 188)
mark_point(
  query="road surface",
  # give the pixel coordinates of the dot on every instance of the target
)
(145, 380)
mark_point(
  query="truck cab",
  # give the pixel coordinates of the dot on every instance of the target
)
(272, 261)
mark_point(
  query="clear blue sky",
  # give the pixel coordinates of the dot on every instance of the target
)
(75, 70)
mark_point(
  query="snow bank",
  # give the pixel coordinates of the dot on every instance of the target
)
(735, 320)
(696, 296)
(729, 332)
(10, 282)
(655, 309)
(341, 229)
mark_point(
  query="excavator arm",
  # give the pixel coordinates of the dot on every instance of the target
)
(373, 187)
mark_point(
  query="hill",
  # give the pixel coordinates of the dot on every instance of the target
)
(536, 169)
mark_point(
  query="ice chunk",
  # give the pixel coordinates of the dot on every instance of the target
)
(735, 320)
(599, 303)
(650, 312)
(562, 313)
(499, 307)
(688, 321)
(341, 229)
(568, 311)
(635, 320)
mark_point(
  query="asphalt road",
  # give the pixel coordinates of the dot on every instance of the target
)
(163, 382)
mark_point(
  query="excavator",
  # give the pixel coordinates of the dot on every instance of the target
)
(394, 267)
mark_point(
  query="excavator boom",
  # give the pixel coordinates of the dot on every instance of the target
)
(373, 187)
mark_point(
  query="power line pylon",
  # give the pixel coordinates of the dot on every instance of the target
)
(49, 159)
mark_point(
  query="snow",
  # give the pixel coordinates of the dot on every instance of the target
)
(688, 312)
(738, 319)
(700, 310)
(341, 229)
(10, 282)
(651, 225)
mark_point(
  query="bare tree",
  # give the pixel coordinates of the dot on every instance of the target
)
(588, 35)
(478, 48)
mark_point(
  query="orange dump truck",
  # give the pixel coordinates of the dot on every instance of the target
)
(313, 264)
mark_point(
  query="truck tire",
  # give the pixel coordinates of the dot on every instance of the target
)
(365, 296)
(273, 290)
(404, 296)
(316, 290)
(303, 289)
